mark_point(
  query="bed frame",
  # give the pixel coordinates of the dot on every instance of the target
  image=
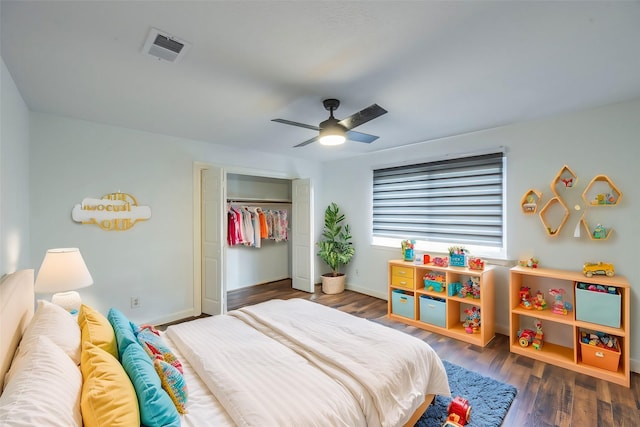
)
(17, 302)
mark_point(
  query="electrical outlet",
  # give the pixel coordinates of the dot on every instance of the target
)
(135, 302)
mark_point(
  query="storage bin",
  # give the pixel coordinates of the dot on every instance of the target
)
(402, 304)
(600, 357)
(598, 307)
(433, 310)
(457, 260)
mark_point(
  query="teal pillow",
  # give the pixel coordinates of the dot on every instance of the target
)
(123, 329)
(156, 407)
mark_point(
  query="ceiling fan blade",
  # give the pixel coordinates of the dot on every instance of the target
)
(308, 141)
(352, 135)
(363, 116)
(302, 125)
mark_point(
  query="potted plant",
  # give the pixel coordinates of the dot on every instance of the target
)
(336, 249)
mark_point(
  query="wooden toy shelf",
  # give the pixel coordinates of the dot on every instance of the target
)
(568, 354)
(408, 277)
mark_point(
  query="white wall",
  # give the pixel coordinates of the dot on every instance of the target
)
(73, 159)
(14, 177)
(597, 141)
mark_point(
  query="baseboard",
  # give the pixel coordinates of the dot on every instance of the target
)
(366, 291)
(179, 315)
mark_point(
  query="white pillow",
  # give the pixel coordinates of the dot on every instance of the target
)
(56, 323)
(44, 389)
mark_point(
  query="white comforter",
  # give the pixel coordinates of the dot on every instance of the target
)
(299, 363)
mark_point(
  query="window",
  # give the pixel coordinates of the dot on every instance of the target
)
(453, 202)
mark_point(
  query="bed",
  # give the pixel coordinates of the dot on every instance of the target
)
(282, 362)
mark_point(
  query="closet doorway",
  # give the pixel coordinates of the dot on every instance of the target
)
(214, 264)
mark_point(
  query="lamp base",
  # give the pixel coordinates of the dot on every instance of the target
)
(70, 301)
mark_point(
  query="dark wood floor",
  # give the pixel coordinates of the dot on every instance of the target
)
(547, 395)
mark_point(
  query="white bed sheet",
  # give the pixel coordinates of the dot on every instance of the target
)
(223, 369)
(204, 408)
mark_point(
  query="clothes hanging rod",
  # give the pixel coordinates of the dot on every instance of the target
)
(258, 201)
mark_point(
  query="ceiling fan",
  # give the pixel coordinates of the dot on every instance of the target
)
(333, 131)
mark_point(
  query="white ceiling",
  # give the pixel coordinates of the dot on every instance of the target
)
(439, 67)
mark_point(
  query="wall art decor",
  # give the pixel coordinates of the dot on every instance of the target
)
(113, 212)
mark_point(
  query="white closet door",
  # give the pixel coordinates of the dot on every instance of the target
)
(302, 253)
(213, 224)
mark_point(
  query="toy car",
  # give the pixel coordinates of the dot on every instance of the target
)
(526, 337)
(459, 411)
(591, 268)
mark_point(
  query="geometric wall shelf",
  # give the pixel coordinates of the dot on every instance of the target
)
(601, 191)
(553, 215)
(565, 179)
(598, 233)
(530, 201)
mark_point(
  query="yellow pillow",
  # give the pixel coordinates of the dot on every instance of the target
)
(97, 330)
(108, 397)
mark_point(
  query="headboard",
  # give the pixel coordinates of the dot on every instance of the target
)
(16, 310)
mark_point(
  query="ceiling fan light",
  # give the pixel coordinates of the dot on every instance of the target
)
(332, 135)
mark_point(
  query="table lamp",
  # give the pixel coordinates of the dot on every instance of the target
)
(62, 271)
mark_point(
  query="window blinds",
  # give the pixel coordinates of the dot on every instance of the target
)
(457, 201)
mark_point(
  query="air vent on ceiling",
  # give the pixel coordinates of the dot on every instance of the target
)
(164, 46)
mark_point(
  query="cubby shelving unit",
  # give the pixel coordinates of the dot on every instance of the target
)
(408, 276)
(568, 354)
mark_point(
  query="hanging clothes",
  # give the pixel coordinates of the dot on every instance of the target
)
(249, 225)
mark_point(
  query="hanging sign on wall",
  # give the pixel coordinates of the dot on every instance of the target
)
(113, 212)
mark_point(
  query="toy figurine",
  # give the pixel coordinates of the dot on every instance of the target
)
(531, 262)
(559, 306)
(537, 339)
(525, 337)
(459, 411)
(472, 321)
(525, 298)
(539, 302)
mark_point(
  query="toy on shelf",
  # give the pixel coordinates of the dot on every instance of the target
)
(599, 232)
(440, 261)
(525, 337)
(472, 321)
(538, 338)
(591, 268)
(458, 256)
(604, 199)
(600, 339)
(598, 288)
(525, 298)
(539, 303)
(453, 288)
(470, 288)
(407, 249)
(434, 281)
(459, 411)
(531, 262)
(559, 305)
(476, 263)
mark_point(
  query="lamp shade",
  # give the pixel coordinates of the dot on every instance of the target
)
(62, 270)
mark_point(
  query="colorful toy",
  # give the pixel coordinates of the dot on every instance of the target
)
(599, 232)
(538, 338)
(453, 288)
(407, 249)
(472, 321)
(470, 288)
(531, 262)
(441, 262)
(457, 256)
(459, 411)
(600, 339)
(539, 303)
(434, 281)
(591, 268)
(525, 298)
(525, 337)
(559, 305)
(604, 199)
(476, 263)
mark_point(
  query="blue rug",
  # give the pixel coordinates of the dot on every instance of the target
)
(489, 399)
